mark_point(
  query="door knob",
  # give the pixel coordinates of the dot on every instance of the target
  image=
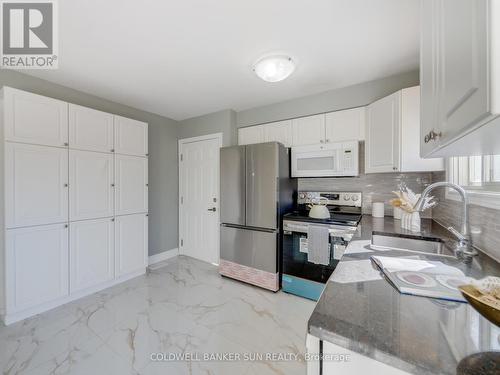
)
(213, 209)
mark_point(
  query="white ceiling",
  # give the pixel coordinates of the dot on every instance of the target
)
(187, 58)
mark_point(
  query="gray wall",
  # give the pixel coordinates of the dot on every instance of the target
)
(163, 185)
(485, 222)
(376, 187)
(217, 122)
(334, 100)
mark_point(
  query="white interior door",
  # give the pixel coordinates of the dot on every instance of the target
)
(199, 197)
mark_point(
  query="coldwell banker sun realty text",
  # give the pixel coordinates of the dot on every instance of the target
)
(29, 34)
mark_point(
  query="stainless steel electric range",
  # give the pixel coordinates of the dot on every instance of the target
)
(300, 276)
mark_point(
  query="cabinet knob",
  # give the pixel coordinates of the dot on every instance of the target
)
(112, 150)
(66, 144)
(394, 168)
(147, 184)
(66, 185)
(113, 219)
(147, 154)
(112, 185)
(322, 141)
(65, 225)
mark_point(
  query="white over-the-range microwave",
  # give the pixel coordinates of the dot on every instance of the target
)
(338, 159)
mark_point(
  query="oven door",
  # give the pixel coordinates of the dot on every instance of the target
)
(295, 262)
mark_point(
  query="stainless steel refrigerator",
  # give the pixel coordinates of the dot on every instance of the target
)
(256, 191)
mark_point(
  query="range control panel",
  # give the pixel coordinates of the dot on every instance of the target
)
(330, 198)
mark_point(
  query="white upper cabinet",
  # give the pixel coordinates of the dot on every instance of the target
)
(382, 135)
(36, 260)
(308, 130)
(131, 184)
(36, 185)
(91, 185)
(411, 161)
(251, 135)
(36, 119)
(131, 243)
(393, 133)
(280, 131)
(460, 76)
(347, 125)
(90, 129)
(131, 136)
(92, 249)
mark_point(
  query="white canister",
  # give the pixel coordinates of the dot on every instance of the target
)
(378, 209)
(397, 213)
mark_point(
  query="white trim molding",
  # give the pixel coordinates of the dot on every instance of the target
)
(160, 257)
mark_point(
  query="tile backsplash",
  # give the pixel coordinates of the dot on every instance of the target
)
(376, 187)
(484, 222)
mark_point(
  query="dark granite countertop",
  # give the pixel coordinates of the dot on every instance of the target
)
(359, 310)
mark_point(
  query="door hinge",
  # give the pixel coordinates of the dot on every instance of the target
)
(182, 243)
(182, 157)
(182, 200)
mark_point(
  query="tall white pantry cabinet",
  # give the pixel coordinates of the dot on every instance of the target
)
(74, 202)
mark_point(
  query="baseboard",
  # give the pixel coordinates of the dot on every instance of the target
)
(27, 313)
(160, 257)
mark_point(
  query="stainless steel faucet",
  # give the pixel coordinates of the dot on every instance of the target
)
(464, 245)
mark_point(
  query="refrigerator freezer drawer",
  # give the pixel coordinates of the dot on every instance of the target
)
(250, 248)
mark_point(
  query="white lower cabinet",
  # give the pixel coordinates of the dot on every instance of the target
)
(131, 243)
(36, 266)
(339, 360)
(92, 253)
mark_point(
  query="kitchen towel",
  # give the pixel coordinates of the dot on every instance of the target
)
(318, 238)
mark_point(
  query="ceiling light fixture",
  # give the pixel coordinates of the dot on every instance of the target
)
(274, 68)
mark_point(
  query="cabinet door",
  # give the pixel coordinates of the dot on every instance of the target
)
(382, 135)
(131, 184)
(36, 265)
(92, 249)
(348, 125)
(131, 243)
(429, 104)
(308, 130)
(131, 136)
(90, 185)
(36, 185)
(279, 132)
(36, 119)
(90, 129)
(251, 135)
(410, 135)
(464, 66)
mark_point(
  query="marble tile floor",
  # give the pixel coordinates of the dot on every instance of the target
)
(184, 307)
